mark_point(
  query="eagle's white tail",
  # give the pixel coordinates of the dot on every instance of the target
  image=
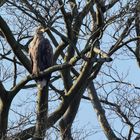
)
(41, 84)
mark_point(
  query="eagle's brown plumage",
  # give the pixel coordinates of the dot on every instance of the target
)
(41, 54)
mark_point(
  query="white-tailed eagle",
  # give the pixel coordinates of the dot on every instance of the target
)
(41, 54)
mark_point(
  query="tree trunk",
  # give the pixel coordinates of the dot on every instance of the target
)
(101, 113)
(68, 118)
(4, 110)
(42, 114)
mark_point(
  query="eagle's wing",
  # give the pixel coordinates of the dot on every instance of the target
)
(45, 54)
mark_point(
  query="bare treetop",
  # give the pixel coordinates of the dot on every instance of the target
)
(95, 44)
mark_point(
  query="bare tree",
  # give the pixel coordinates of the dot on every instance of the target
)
(88, 38)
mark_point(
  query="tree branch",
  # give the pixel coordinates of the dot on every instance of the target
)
(54, 68)
(14, 45)
(100, 113)
(122, 36)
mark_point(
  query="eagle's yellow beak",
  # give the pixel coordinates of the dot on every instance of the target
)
(42, 30)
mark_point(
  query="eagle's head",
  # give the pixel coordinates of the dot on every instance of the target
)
(40, 30)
